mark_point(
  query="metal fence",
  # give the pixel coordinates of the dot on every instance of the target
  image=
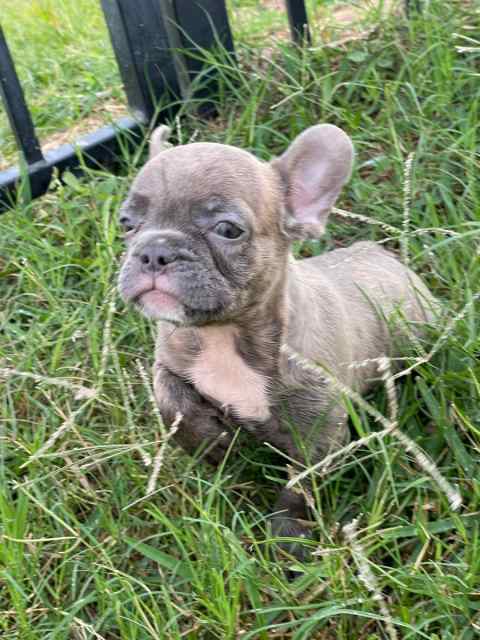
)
(148, 38)
(151, 40)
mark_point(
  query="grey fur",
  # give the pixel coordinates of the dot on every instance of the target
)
(223, 302)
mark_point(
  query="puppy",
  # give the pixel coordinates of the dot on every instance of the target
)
(209, 230)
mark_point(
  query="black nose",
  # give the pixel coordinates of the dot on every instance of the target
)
(155, 256)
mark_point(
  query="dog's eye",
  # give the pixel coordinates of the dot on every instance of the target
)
(228, 230)
(127, 223)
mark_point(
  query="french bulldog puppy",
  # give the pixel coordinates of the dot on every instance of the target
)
(209, 230)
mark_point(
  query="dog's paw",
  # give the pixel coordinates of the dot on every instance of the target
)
(292, 536)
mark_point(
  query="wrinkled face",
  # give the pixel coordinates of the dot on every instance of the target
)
(203, 235)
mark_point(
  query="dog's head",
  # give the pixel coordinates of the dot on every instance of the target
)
(208, 226)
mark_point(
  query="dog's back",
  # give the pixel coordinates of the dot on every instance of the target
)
(361, 295)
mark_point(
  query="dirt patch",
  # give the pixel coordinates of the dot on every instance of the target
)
(104, 113)
(343, 22)
(274, 4)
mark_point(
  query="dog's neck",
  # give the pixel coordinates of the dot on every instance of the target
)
(235, 364)
(261, 332)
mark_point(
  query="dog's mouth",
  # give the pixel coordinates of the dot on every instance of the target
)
(178, 298)
(156, 297)
(160, 305)
(158, 301)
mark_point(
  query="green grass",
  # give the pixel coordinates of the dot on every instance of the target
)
(64, 59)
(65, 63)
(84, 554)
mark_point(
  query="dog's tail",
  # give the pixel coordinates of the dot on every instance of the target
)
(159, 140)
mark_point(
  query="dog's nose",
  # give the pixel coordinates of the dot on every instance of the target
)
(155, 256)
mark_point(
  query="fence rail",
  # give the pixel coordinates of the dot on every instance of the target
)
(147, 37)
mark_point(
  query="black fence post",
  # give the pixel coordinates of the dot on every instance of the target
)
(203, 26)
(147, 63)
(412, 5)
(16, 107)
(22, 127)
(298, 20)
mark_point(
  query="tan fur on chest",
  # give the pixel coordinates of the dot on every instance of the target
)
(219, 372)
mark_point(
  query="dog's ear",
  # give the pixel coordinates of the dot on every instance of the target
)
(159, 140)
(314, 169)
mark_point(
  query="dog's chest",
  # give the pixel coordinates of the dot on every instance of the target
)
(219, 372)
(209, 359)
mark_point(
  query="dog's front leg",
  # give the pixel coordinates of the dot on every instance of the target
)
(311, 423)
(200, 426)
(290, 523)
(289, 519)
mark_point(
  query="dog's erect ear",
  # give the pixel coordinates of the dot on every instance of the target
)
(159, 140)
(314, 169)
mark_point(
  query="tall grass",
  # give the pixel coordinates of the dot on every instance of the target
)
(89, 548)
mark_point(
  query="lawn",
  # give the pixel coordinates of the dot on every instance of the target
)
(86, 551)
(66, 65)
